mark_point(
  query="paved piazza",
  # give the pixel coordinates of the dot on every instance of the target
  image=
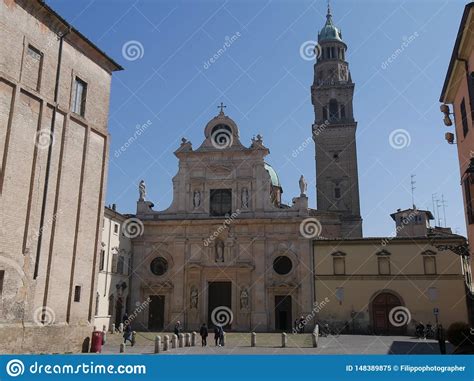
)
(270, 343)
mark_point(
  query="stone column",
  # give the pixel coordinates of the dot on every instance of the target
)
(187, 339)
(315, 336)
(121, 328)
(193, 339)
(181, 340)
(174, 341)
(284, 340)
(166, 343)
(122, 348)
(157, 344)
(253, 339)
(112, 329)
(223, 339)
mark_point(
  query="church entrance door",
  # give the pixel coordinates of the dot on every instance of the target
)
(381, 307)
(283, 313)
(220, 304)
(156, 313)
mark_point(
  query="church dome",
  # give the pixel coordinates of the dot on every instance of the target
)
(329, 32)
(273, 175)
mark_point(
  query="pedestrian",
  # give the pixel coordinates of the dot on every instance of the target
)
(204, 333)
(128, 334)
(216, 335)
(177, 328)
(301, 324)
(221, 336)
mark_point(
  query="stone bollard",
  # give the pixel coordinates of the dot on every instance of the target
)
(166, 343)
(187, 339)
(284, 340)
(223, 339)
(121, 327)
(112, 330)
(253, 339)
(315, 340)
(122, 348)
(157, 344)
(174, 341)
(180, 340)
(193, 339)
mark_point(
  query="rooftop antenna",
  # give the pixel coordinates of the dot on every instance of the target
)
(434, 200)
(444, 204)
(438, 204)
(413, 182)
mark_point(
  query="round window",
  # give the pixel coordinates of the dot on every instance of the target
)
(159, 266)
(282, 265)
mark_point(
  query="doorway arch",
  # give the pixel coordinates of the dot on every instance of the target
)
(380, 306)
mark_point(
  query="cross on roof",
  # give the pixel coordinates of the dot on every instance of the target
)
(222, 107)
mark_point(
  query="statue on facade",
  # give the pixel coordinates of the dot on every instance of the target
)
(194, 297)
(220, 252)
(244, 299)
(142, 190)
(196, 198)
(303, 186)
(245, 198)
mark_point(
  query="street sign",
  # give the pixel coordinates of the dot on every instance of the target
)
(436, 311)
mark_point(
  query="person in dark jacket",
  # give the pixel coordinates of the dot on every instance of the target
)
(177, 328)
(216, 335)
(128, 334)
(221, 336)
(204, 333)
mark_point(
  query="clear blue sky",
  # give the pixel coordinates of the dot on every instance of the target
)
(265, 84)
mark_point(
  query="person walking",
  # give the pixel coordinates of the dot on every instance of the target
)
(216, 335)
(177, 328)
(221, 336)
(204, 333)
(128, 334)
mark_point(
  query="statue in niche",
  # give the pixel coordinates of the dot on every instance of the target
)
(303, 185)
(194, 297)
(220, 251)
(343, 73)
(244, 299)
(197, 198)
(245, 198)
(142, 190)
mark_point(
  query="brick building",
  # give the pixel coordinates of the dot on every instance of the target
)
(54, 101)
(458, 91)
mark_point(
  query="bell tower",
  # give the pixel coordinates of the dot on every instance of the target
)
(334, 131)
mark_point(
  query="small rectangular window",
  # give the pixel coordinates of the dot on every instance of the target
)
(77, 293)
(31, 73)
(339, 265)
(114, 263)
(384, 265)
(337, 192)
(429, 263)
(79, 97)
(121, 265)
(102, 260)
(469, 197)
(116, 228)
(465, 128)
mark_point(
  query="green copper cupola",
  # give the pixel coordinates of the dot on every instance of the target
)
(329, 32)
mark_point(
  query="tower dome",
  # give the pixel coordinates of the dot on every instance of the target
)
(329, 32)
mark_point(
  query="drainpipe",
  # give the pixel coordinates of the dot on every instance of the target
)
(50, 152)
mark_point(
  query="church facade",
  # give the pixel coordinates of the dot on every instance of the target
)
(228, 251)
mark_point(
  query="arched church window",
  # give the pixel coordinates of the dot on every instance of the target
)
(328, 53)
(111, 305)
(343, 111)
(337, 192)
(333, 52)
(333, 109)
